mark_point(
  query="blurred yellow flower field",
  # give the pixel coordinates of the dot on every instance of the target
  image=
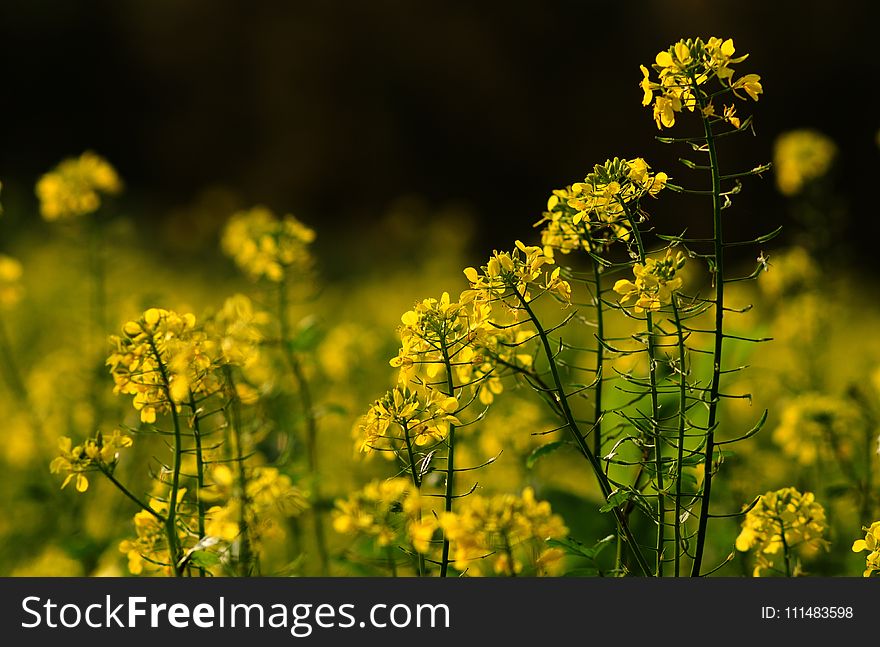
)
(615, 396)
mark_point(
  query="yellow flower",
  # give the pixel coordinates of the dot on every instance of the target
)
(655, 281)
(799, 157)
(817, 427)
(871, 543)
(11, 290)
(509, 277)
(403, 416)
(264, 246)
(782, 524)
(388, 512)
(592, 214)
(99, 454)
(148, 550)
(502, 528)
(683, 69)
(160, 359)
(75, 186)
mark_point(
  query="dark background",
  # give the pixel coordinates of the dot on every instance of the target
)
(332, 110)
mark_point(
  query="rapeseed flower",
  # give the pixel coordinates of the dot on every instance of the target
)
(11, 289)
(871, 543)
(500, 527)
(389, 512)
(683, 70)
(160, 359)
(655, 281)
(782, 523)
(96, 454)
(266, 247)
(799, 157)
(74, 188)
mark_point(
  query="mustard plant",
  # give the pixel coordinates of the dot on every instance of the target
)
(275, 252)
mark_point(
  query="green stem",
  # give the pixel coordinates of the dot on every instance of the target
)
(786, 551)
(682, 408)
(600, 358)
(604, 485)
(244, 555)
(171, 517)
(449, 494)
(392, 563)
(417, 482)
(655, 404)
(200, 470)
(717, 205)
(106, 472)
(508, 551)
(305, 396)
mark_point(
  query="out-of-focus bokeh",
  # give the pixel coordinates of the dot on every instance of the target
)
(414, 141)
(335, 109)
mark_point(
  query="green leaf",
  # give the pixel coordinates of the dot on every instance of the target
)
(615, 499)
(542, 451)
(204, 559)
(571, 547)
(574, 547)
(308, 336)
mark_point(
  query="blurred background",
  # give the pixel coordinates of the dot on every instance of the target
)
(414, 138)
(334, 110)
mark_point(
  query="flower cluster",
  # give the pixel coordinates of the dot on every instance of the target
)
(655, 281)
(818, 427)
(420, 416)
(800, 156)
(10, 281)
(238, 328)
(782, 521)
(149, 549)
(434, 332)
(566, 229)
(871, 543)
(389, 512)
(501, 526)
(684, 68)
(75, 186)
(161, 359)
(509, 276)
(462, 334)
(96, 454)
(264, 246)
(268, 497)
(592, 214)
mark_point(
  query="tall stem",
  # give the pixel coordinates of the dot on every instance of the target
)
(655, 403)
(682, 408)
(719, 339)
(573, 427)
(171, 517)
(305, 396)
(449, 495)
(417, 482)
(130, 495)
(244, 555)
(200, 470)
(600, 358)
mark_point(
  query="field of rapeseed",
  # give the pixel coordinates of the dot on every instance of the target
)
(618, 395)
